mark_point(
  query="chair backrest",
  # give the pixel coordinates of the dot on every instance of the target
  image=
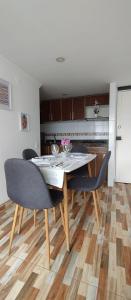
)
(79, 148)
(103, 169)
(26, 185)
(29, 153)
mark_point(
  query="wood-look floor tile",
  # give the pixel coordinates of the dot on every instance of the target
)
(98, 265)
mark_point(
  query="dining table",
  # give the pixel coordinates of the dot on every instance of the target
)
(56, 170)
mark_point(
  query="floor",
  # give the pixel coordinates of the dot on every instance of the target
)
(98, 266)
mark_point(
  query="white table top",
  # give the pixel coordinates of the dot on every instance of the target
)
(53, 168)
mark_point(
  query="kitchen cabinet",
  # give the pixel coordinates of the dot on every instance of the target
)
(55, 110)
(66, 107)
(45, 149)
(96, 163)
(45, 111)
(78, 112)
(69, 108)
(101, 99)
(50, 111)
(98, 149)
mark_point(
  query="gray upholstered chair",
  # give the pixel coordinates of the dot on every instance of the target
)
(29, 153)
(91, 184)
(27, 188)
(82, 171)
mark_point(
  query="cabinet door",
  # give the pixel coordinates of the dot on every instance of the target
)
(44, 111)
(55, 110)
(90, 100)
(66, 106)
(101, 99)
(78, 109)
(92, 168)
(99, 160)
(45, 150)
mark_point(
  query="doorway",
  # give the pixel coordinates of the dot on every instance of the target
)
(123, 140)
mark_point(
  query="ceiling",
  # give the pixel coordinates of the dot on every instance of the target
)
(94, 36)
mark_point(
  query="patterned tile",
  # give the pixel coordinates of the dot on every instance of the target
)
(98, 265)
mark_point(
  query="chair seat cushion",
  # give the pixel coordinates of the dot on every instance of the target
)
(56, 196)
(84, 184)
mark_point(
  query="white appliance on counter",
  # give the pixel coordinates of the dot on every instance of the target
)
(97, 112)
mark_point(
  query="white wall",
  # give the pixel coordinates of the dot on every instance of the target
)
(25, 98)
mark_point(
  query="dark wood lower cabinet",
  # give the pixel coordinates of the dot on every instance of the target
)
(45, 149)
(96, 163)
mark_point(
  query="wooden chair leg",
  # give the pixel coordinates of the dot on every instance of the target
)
(20, 219)
(35, 217)
(84, 196)
(62, 215)
(98, 201)
(95, 204)
(54, 214)
(13, 226)
(72, 198)
(47, 236)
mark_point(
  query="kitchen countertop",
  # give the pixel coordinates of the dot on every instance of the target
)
(90, 143)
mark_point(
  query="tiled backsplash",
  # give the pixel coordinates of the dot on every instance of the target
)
(91, 130)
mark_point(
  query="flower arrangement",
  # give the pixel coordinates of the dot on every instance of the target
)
(67, 146)
(65, 142)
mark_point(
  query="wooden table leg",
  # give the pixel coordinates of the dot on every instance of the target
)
(66, 216)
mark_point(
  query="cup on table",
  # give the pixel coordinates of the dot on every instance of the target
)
(67, 147)
(54, 149)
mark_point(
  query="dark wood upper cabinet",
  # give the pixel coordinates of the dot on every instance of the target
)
(69, 109)
(66, 109)
(55, 110)
(102, 99)
(45, 111)
(78, 108)
(89, 100)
